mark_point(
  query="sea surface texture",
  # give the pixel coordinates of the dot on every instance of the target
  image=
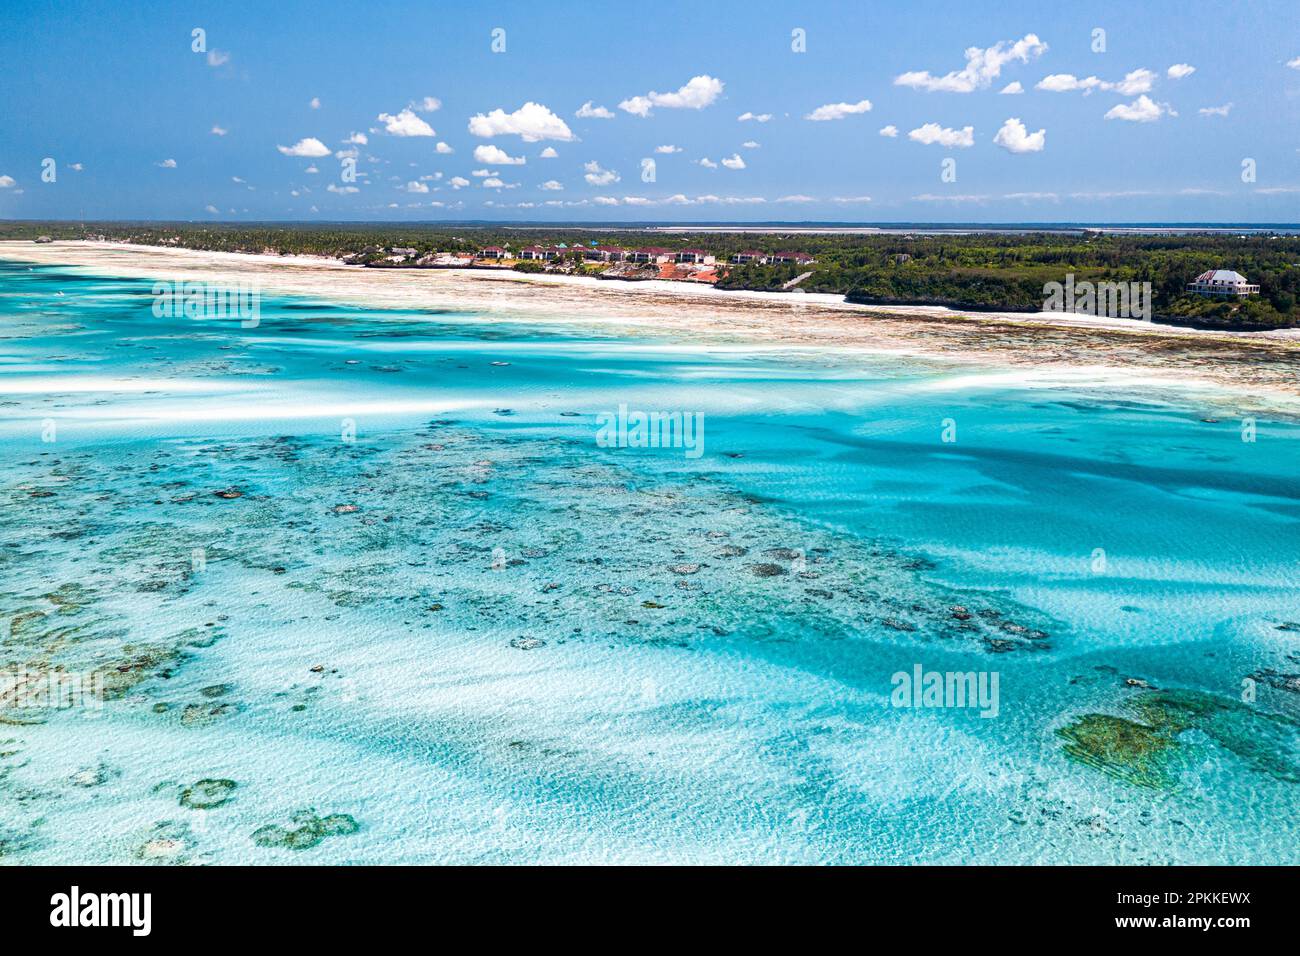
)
(377, 586)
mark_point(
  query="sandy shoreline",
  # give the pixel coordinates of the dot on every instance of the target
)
(703, 294)
(1263, 365)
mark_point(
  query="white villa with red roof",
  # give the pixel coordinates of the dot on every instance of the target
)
(1221, 282)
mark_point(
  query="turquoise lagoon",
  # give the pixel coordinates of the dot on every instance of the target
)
(361, 586)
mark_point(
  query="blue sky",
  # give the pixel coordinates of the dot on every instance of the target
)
(139, 125)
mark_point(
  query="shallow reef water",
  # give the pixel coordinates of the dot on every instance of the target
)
(361, 586)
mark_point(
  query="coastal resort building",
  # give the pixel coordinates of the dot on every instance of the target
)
(799, 258)
(492, 252)
(696, 257)
(535, 252)
(604, 254)
(1221, 282)
(748, 256)
(654, 254)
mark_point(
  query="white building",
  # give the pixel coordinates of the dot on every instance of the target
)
(1221, 282)
(655, 254)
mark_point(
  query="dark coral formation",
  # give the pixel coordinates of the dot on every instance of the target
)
(1145, 748)
(307, 830)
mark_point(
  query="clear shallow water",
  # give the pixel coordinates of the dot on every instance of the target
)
(719, 633)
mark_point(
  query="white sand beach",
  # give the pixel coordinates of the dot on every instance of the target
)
(1048, 343)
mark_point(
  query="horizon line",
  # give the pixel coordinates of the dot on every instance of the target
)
(677, 223)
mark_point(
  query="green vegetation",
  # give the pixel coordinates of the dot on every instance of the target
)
(994, 271)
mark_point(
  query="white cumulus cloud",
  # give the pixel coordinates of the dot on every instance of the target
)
(532, 121)
(405, 123)
(747, 117)
(167, 164)
(1141, 110)
(891, 131)
(1014, 138)
(983, 66)
(734, 162)
(597, 176)
(697, 93)
(1134, 82)
(1215, 110)
(496, 156)
(1012, 88)
(587, 111)
(1180, 70)
(668, 148)
(1066, 83)
(932, 133)
(1138, 81)
(443, 148)
(837, 111)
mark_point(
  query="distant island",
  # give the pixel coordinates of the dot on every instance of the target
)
(977, 270)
